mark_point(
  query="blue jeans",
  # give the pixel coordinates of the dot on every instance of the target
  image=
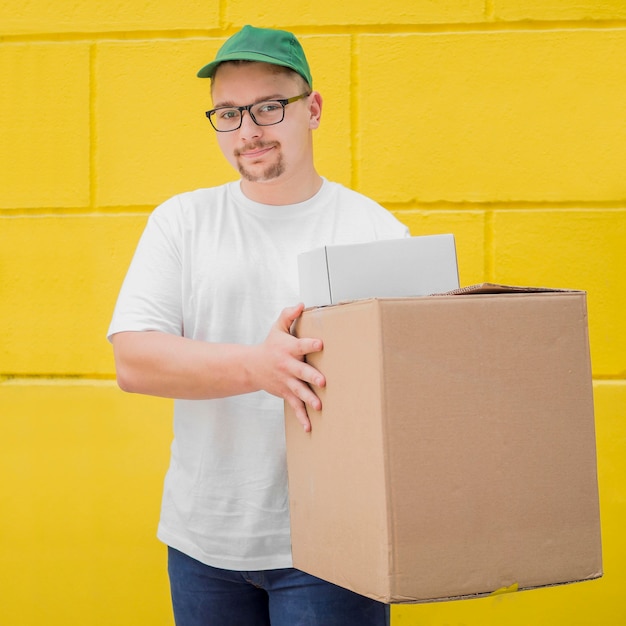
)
(208, 596)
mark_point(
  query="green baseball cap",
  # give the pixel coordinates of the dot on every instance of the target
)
(266, 45)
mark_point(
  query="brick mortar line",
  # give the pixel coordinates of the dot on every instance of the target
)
(487, 26)
(8, 380)
(489, 246)
(565, 205)
(93, 137)
(78, 212)
(396, 207)
(354, 104)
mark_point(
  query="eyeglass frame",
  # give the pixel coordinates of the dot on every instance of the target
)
(248, 107)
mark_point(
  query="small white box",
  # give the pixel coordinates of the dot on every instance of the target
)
(412, 266)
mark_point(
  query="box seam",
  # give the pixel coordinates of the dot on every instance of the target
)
(330, 284)
(589, 368)
(389, 493)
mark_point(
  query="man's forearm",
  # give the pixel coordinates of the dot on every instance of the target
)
(159, 364)
(169, 366)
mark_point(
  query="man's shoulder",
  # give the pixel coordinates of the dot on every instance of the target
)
(201, 195)
(363, 212)
(343, 192)
(347, 200)
(189, 202)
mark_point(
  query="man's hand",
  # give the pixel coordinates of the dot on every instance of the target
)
(280, 369)
(170, 366)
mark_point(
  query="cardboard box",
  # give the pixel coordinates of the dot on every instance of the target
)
(455, 451)
(413, 266)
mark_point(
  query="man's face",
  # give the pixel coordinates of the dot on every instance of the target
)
(265, 153)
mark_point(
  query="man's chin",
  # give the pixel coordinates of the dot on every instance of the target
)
(261, 176)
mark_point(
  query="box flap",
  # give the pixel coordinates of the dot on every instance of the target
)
(493, 288)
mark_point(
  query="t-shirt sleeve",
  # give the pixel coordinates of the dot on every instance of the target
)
(385, 224)
(366, 218)
(150, 296)
(392, 228)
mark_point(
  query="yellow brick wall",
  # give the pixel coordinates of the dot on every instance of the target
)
(501, 121)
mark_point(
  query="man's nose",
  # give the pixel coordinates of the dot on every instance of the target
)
(249, 128)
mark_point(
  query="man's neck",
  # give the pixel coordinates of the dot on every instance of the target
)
(282, 192)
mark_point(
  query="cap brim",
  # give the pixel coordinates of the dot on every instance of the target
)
(208, 71)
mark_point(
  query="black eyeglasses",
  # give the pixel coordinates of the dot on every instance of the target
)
(266, 113)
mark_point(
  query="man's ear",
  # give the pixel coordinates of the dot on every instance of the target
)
(315, 108)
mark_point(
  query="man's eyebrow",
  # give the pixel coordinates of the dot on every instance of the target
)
(230, 103)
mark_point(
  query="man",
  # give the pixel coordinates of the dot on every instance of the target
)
(204, 315)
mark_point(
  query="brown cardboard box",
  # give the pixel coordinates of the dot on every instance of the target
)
(455, 451)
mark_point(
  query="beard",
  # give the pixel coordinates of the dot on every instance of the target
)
(271, 171)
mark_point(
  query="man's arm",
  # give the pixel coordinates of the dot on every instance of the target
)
(165, 365)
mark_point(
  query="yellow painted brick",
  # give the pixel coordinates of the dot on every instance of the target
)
(81, 470)
(610, 406)
(573, 249)
(330, 61)
(328, 12)
(61, 276)
(468, 228)
(54, 16)
(493, 116)
(559, 10)
(610, 403)
(581, 604)
(44, 125)
(153, 138)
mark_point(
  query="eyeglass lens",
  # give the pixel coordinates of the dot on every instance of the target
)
(262, 113)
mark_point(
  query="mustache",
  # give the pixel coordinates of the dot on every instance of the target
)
(256, 145)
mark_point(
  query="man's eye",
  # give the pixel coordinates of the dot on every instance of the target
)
(268, 107)
(228, 114)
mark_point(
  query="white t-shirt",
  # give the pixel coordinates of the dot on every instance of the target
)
(214, 266)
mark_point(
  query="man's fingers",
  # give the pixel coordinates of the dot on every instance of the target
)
(310, 375)
(308, 345)
(303, 346)
(299, 408)
(288, 373)
(288, 316)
